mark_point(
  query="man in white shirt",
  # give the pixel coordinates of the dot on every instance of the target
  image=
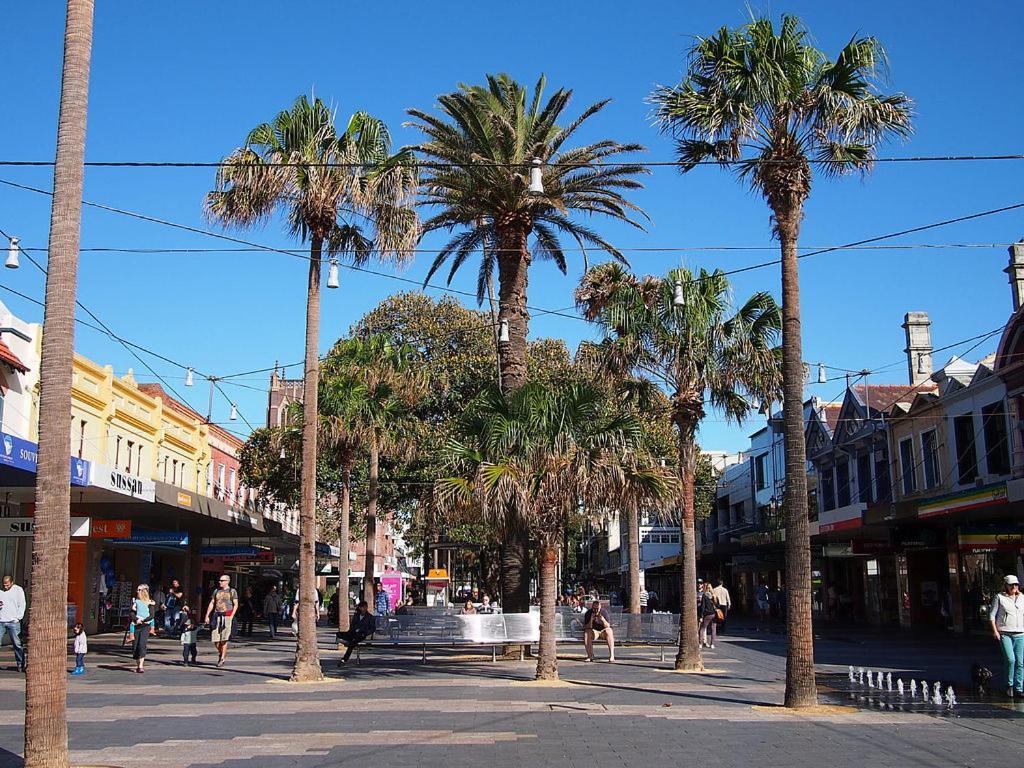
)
(723, 599)
(12, 611)
(644, 597)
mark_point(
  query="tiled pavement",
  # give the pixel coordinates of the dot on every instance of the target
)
(390, 710)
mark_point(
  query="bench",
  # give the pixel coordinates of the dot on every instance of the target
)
(443, 629)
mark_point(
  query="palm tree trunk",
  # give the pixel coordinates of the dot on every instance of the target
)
(307, 658)
(801, 690)
(343, 537)
(688, 657)
(547, 655)
(46, 725)
(371, 525)
(633, 517)
(513, 266)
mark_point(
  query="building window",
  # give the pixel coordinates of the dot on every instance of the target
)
(220, 481)
(138, 462)
(864, 478)
(165, 469)
(907, 466)
(828, 489)
(966, 451)
(997, 450)
(760, 481)
(128, 468)
(232, 486)
(117, 452)
(930, 458)
(174, 472)
(843, 483)
(883, 487)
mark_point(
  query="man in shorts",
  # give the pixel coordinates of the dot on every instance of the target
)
(219, 615)
(597, 623)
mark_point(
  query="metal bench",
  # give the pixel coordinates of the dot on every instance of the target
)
(422, 630)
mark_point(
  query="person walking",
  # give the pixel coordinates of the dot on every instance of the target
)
(761, 598)
(381, 599)
(246, 613)
(597, 623)
(1007, 617)
(143, 621)
(80, 647)
(189, 634)
(175, 598)
(12, 611)
(220, 615)
(724, 601)
(272, 610)
(362, 625)
(159, 609)
(645, 597)
(708, 614)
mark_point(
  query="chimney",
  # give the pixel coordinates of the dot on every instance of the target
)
(919, 346)
(1015, 270)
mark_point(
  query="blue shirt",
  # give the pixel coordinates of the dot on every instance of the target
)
(142, 610)
(381, 603)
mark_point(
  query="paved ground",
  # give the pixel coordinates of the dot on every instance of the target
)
(390, 710)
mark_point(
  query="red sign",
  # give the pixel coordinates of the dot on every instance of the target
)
(248, 558)
(111, 529)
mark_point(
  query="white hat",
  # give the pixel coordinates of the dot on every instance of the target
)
(1011, 579)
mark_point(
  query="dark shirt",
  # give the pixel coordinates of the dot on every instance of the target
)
(707, 604)
(601, 620)
(363, 623)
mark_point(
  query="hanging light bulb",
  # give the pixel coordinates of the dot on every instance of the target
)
(822, 376)
(234, 413)
(536, 180)
(12, 255)
(283, 456)
(503, 331)
(332, 274)
(188, 378)
(677, 295)
(755, 403)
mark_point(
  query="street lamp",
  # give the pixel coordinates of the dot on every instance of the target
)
(678, 299)
(12, 255)
(234, 413)
(503, 331)
(188, 378)
(536, 180)
(332, 274)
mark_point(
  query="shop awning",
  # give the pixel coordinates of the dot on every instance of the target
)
(172, 495)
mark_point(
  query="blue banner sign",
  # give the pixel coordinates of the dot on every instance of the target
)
(23, 454)
(156, 538)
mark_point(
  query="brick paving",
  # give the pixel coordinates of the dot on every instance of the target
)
(462, 710)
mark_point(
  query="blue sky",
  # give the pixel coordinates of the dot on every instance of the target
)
(187, 80)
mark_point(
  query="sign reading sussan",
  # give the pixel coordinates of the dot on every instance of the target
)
(23, 527)
(117, 481)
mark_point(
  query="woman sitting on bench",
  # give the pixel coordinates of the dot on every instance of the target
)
(362, 626)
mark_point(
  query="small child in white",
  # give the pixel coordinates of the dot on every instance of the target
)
(189, 636)
(81, 647)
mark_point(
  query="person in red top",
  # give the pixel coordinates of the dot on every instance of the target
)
(219, 615)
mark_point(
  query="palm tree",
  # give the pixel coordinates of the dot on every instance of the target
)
(46, 725)
(678, 330)
(331, 187)
(771, 105)
(543, 452)
(483, 145)
(390, 383)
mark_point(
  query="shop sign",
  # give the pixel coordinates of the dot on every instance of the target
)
(17, 453)
(184, 499)
(437, 573)
(838, 550)
(872, 547)
(988, 496)
(261, 557)
(841, 519)
(23, 527)
(24, 454)
(991, 540)
(117, 481)
(760, 538)
(111, 529)
(154, 538)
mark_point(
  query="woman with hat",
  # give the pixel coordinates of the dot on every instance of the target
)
(1007, 616)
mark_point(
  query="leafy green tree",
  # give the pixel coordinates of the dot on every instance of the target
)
(771, 104)
(682, 333)
(348, 196)
(542, 453)
(484, 144)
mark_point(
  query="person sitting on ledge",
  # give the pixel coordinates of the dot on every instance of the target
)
(363, 625)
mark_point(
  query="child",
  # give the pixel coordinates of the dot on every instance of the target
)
(81, 647)
(189, 636)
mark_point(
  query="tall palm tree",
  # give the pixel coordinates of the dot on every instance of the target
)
(390, 384)
(680, 331)
(483, 145)
(46, 725)
(771, 104)
(332, 188)
(544, 452)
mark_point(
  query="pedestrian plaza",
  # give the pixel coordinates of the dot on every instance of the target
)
(460, 709)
